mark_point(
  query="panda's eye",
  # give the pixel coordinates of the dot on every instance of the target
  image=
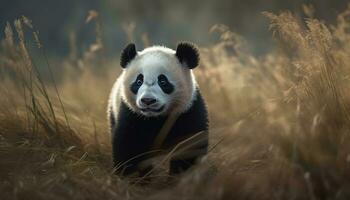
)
(162, 82)
(139, 82)
(165, 85)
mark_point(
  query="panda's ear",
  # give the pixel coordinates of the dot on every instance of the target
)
(128, 54)
(188, 54)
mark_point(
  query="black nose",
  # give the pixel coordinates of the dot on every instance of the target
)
(148, 101)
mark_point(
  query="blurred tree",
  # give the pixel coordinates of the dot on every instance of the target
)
(164, 21)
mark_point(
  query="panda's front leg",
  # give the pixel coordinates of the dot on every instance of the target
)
(145, 171)
(189, 158)
(178, 166)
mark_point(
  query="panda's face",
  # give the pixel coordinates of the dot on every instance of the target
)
(156, 83)
(152, 93)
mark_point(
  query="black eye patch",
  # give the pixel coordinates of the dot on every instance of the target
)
(164, 84)
(135, 86)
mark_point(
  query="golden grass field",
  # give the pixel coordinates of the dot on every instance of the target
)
(280, 123)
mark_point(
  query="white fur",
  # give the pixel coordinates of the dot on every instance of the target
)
(151, 62)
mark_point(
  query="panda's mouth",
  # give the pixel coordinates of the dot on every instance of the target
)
(153, 109)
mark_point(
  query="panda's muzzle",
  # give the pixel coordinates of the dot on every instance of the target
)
(150, 104)
(148, 101)
(152, 109)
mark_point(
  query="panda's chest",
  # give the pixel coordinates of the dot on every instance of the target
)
(133, 127)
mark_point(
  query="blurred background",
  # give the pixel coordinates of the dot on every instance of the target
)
(162, 22)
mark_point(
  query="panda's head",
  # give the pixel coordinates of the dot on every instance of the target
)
(158, 80)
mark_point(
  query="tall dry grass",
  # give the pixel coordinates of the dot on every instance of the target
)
(279, 123)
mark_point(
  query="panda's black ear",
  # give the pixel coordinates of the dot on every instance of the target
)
(188, 54)
(128, 54)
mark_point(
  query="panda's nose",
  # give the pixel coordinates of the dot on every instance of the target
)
(148, 101)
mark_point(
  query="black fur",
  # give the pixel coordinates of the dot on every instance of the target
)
(135, 86)
(188, 54)
(128, 54)
(165, 85)
(133, 135)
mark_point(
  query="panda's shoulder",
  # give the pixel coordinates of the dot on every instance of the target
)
(197, 112)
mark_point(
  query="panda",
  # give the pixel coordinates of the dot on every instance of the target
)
(156, 84)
